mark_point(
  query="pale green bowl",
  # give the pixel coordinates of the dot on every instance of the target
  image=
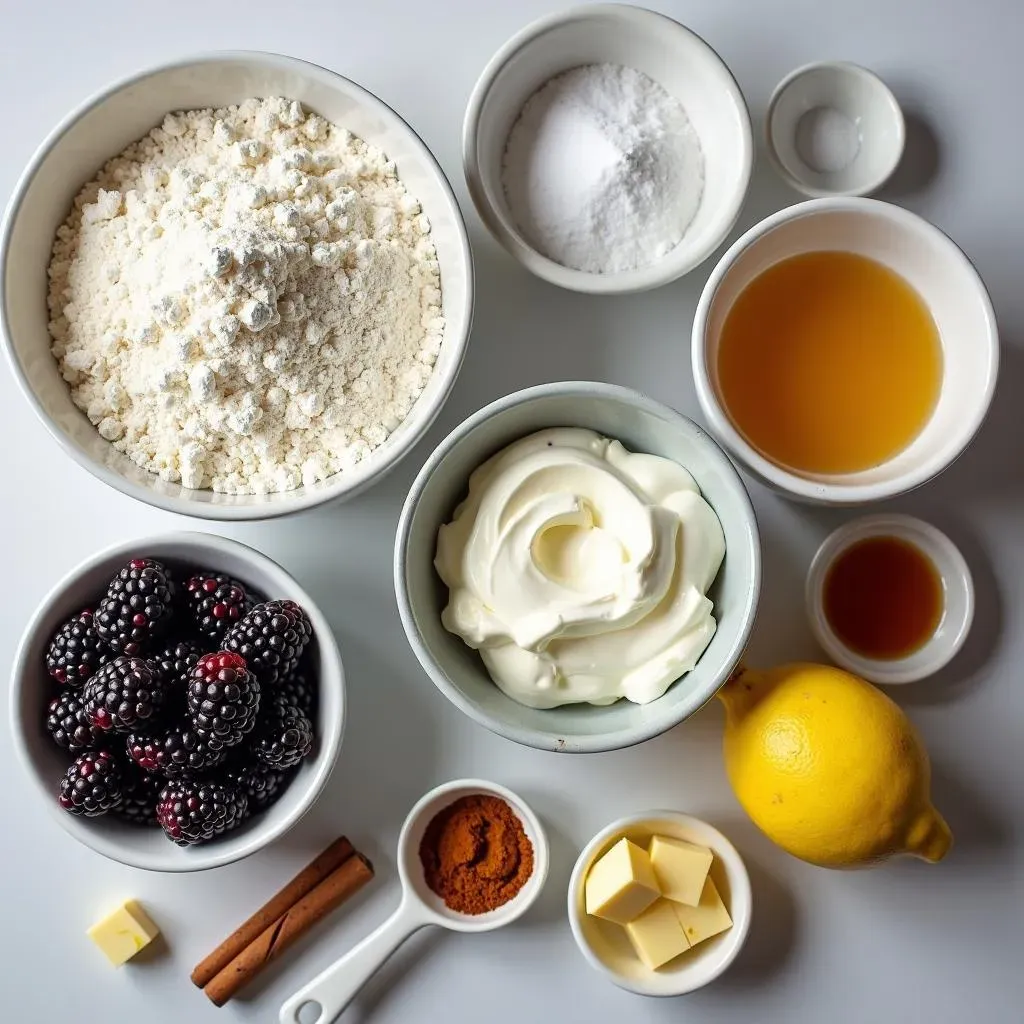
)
(642, 425)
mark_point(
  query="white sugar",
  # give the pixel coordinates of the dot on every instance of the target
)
(603, 171)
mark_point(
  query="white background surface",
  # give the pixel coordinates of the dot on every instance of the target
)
(907, 942)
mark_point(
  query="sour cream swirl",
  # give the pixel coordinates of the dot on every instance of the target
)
(580, 570)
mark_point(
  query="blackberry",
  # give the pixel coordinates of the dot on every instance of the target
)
(261, 784)
(284, 736)
(192, 811)
(139, 797)
(124, 694)
(271, 638)
(223, 698)
(215, 603)
(76, 651)
(174, 754)
(92, 785)
(176, 662)
(300, 690)
(67, 724)
(136, 607)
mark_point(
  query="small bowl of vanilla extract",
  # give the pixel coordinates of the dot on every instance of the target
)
(890, 598)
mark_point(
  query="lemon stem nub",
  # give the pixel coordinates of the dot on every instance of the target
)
(929, 837)
(741, 691)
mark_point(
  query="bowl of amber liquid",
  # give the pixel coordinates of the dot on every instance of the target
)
(890, 598)
(844, 351)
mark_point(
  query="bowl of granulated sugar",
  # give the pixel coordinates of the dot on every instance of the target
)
(608, 149)
(235, 286)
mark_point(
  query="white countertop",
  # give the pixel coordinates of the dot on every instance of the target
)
(908, 942)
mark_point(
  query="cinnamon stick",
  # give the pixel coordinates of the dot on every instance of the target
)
(305, 881)
(344, 881)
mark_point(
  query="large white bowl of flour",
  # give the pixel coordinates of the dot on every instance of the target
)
(101, 129)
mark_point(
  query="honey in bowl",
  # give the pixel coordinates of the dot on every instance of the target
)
(883, 598)
(829, 363)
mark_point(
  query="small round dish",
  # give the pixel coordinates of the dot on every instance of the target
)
(606, 946)
(834, 129)
(673, 56)
(957, 591)
(44, 763)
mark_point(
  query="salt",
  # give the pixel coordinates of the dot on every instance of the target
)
(827, 140)
(603, 171)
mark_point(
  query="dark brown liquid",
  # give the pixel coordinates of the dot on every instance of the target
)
(883, 598)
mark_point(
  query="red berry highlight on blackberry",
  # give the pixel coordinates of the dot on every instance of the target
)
(192, 811)
(92, 785)
(124, 694)
(137, 606)
(174, 753)
(215, 603)
(76, 652)
(223, 698)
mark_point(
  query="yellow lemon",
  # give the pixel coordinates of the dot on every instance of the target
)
(829, 768)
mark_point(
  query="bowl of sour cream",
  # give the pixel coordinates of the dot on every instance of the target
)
(578, 567)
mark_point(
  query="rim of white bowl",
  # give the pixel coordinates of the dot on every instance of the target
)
(740, 897)
(854, 70)
(598, 742)
(213, 855)
(954, 572)
(665, 270)
(718, 419)
(186, 506)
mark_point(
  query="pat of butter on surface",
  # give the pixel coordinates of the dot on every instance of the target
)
(621, 885)
(657, 935)
(124, 932)
(680, 868)
(706, 919)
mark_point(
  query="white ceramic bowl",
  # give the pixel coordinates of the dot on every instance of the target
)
(834, 129)
(957, 592)
(679, 60)
(44, 762)
(98, 130)
(641, 424)
(944, 278)
(606, 946)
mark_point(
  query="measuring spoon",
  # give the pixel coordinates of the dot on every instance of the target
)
(330, 992)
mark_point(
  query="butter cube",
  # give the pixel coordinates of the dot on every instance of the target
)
(124, 932)
(621, 885)
(680, 868)
(657, 936)
(708, 918)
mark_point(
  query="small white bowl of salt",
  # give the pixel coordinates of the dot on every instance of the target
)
(834, 129)
(608, 149)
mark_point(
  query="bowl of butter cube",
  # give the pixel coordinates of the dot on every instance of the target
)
(660, 902)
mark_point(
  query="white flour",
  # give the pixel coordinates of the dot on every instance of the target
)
(603, 171)
(247, 299)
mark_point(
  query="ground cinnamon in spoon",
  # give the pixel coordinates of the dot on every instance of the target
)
(475, 854)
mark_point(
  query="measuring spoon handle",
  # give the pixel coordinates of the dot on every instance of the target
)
(334, 988)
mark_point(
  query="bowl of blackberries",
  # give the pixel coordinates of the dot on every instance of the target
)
(178, 701)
